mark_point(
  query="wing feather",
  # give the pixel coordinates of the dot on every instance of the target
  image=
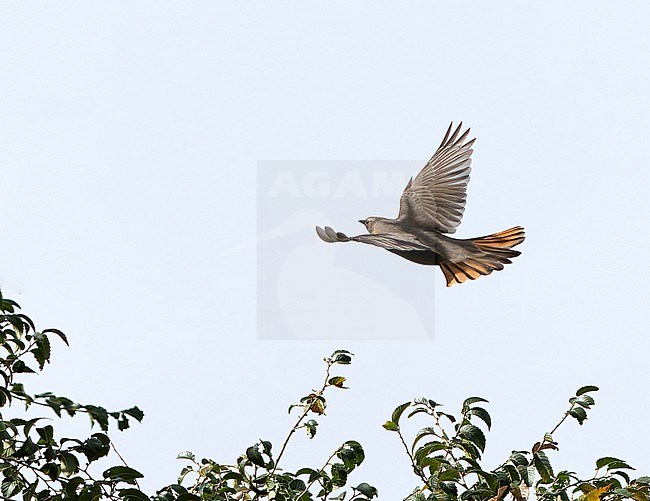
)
(385, 241)
(435, 198)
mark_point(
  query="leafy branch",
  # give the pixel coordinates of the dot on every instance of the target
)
(257, 475)
(449, 463)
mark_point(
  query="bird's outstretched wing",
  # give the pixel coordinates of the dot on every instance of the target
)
(435, 199)
(382, 240)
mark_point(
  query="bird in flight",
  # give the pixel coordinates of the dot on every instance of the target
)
(430, 208)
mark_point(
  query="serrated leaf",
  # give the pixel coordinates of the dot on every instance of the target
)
(416, 411)
(42, 350)
(619, 465)
(423, 433)
(342, 358)
(448, 475)
(424, 451)
(595, 494)
(482, 414)
(473, 434)
(518, 459)
(472, 400)
(543, 466)
(622, 474)
(584, 401)
(58, 333)
(399, 410)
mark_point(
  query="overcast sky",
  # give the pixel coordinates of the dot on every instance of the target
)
(131, 134)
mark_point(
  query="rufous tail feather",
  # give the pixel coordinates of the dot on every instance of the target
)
(492, 252)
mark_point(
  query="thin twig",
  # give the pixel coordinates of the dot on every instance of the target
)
(123, 462)
(319, 471)
(302, 416)
(417, 470)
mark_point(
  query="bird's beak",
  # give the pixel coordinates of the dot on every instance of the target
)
(362, 221)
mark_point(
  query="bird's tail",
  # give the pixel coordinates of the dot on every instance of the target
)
(485, 254)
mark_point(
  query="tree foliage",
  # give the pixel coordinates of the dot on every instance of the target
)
(35, 463)
(446, 455)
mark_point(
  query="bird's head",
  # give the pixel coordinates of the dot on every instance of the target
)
(369, 222)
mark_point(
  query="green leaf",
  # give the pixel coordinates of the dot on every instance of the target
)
(339, 475)
(482, 414)
(122, 474)
(135, 495)
(41, 351)
(95, 447)
(337, 381)
(186, 455)
(424, 451)
(188, 496)
(267, 446)
(584, 401)
(52, 470)
(602, 462)
(69, 464)
(5, 397)
(26, 449)
(399, 410)
(342, 357)
(418, 410)
(586, 389)
(448, 475)
(424, 432)
(359, 454)
(97, 414)
(10, 487)
(310, 427)
(367, 490)
(579, 413)
(47, 435)
(72, 485)
(474, 435)
(472, 400)
(518, 458)
(294, 405)
(254, 456)
(135, 413)
(512, 472)
(619, 465)
(390, 426)
(58, 333)
(543, 466)
(623, 475)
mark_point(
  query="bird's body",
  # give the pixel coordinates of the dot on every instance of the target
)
(431, 206)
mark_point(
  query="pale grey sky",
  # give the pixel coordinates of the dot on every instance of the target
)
(130, 134)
